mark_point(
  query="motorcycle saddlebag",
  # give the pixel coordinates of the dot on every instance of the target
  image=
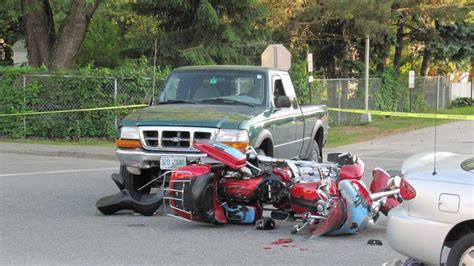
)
(192, 194)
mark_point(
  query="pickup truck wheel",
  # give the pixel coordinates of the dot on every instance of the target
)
(134, 182)
(260, 152)
(315, 152)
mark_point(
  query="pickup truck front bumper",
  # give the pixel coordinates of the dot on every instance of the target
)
(144, 159)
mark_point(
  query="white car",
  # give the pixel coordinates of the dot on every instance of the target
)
(437, 211)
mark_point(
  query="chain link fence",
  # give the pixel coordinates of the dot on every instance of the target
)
(41, 93)
(350, 94)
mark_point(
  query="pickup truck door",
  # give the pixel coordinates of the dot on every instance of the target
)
(283, 125)
(299, 119)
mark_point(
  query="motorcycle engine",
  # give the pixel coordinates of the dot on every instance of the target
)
(312, 173)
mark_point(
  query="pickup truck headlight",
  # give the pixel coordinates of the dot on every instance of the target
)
(235, 138)
(129, 138)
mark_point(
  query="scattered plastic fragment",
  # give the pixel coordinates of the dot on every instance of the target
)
(285, 246)
(282, 241)
(267, 248)
(374, 242)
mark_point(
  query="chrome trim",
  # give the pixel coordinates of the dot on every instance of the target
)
(143, 159)
(291, 142)
(160, 129)
(176, 195)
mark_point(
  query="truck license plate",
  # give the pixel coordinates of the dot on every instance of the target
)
(172, 162)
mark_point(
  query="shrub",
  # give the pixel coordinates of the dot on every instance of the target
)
(30, 90)
(461, 102)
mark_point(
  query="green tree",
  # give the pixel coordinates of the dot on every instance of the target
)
(103, 45)
(196, 32)
(335, 31)
(433, 30)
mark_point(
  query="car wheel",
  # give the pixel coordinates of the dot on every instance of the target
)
(134, 182)
(315, 152)
(462, 252)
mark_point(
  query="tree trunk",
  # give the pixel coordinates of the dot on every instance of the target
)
(55, 51)
(72, 32)
(397, 58)
(425, 62)
(381, 65)
(39, 28)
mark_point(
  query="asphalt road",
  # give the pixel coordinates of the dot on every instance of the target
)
(48, 216)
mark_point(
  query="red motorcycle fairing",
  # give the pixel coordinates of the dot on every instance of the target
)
(379, 180)
(352, 171)
(223, 153)
(284, 173)
(304, 195)
(363, 190)
(334, 220)
(239, 188)
(379, 183)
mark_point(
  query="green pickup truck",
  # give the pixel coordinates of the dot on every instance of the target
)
(236, 105)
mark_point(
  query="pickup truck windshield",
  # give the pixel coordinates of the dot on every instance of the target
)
(216, 87)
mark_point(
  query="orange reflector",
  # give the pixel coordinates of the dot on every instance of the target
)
(128, 143)
(242, 146)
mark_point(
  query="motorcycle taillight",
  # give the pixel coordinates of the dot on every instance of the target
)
(406, 190)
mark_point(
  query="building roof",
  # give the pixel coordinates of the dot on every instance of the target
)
(19, 45)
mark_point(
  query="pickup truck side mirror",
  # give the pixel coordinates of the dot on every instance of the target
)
(148, 99)
(282, 101)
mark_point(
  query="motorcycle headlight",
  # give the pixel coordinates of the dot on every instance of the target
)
(129, 138)
(235, 138)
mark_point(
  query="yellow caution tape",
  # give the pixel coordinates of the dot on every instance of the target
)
(358, 111)
(402, 114)
(76, 110)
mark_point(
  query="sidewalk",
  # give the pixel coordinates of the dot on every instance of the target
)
(78, 151)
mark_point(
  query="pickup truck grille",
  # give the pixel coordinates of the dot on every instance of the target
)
(174, 138)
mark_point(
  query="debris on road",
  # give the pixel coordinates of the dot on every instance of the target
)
(374, 242)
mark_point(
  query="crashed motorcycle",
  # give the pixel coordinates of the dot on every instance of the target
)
(329, 198)
(343, 204)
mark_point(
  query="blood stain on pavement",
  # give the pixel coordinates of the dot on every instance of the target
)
(282, 241)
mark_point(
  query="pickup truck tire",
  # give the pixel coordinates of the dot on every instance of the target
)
(315, 152)
(260, 152)
(133, 182)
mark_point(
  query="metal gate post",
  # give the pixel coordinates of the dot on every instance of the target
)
(115, 101)
(24, 105)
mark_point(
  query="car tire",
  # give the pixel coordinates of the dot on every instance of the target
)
(460, 250)
(315, 152)
(134, 182)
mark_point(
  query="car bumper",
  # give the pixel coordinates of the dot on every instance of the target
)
(143, 159)
(416, 238)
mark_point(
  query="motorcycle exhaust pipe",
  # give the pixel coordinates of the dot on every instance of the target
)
(379, 195)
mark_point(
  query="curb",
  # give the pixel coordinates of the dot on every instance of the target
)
(82, 155)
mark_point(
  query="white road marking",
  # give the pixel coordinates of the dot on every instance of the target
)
(382, 159)
(30, 162)
(60, 172)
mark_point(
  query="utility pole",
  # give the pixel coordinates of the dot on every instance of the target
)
(310, 78)
(367, 118)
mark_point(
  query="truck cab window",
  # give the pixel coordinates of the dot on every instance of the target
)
(278, 89)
